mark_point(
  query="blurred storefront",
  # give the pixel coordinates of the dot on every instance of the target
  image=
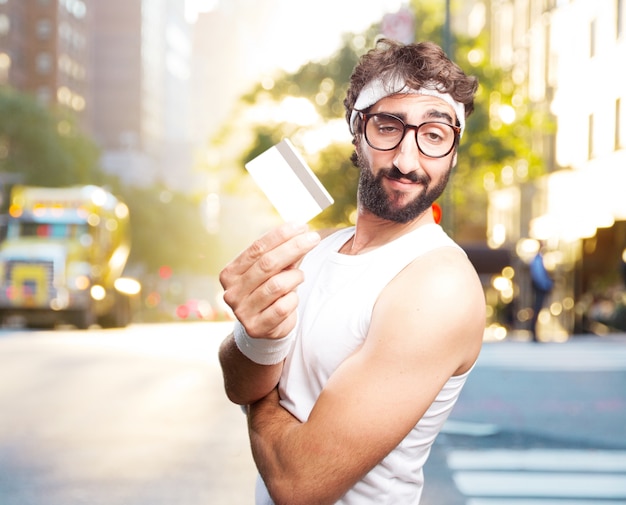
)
(563, 57)
(580, 218)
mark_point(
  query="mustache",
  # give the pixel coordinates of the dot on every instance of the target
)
(394, 173)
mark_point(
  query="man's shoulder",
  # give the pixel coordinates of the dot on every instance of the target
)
(446, 259)
(444, 276)
(437, 301)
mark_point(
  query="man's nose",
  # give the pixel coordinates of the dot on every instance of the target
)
(407, 153)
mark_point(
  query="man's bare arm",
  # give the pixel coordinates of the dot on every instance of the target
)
(245, 381)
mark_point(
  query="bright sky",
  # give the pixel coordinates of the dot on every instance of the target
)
(314, 26)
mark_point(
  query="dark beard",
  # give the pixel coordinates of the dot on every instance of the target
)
(372, 195)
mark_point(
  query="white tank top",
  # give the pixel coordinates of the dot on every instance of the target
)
(336, 303)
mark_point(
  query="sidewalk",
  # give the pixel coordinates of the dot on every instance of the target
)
(580, 353)
(524, 336)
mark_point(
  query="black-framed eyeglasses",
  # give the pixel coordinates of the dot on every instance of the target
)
(384, 132)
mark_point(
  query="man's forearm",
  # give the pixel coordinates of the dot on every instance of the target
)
(266, 421)
(291, 470)
(244, 381)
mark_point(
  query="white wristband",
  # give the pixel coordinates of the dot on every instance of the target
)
(263, 351)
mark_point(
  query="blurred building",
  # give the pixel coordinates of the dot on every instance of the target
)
(123, 66)
(217, 70)
(45, 50)
(141, 81)
(228, 45)
(566, 57)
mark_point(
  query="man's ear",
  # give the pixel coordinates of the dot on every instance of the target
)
(454, 158)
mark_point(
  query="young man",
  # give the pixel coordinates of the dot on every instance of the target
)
(351, 350)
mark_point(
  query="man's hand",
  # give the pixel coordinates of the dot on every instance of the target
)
(260, 284)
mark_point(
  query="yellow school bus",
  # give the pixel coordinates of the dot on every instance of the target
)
(63, 258)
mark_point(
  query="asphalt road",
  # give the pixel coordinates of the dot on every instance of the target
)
(537, 424)
(138, 417)
(132, 417)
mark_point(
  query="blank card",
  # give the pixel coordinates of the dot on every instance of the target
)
(291, 186)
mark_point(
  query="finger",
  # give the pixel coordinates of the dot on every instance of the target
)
(257, 301)
(262, 245)
(243, 276)
(284, 255)
(277, 320)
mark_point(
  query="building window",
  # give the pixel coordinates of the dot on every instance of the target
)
(77, 8)
(590, 146)
(44, 29)
(5, 24)
(43, 63)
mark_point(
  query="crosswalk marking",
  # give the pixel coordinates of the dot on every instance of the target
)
(539, 476)
(551, 501)
(548, 484)
(540, 460)
(452, 427)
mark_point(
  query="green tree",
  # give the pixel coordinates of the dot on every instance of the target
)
(167, 229)
(43, 146)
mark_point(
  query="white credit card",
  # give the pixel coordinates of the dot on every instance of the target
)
(289, 183)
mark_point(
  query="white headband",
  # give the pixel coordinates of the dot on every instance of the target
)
(379, 88)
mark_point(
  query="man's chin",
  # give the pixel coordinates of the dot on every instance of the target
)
(400, 200)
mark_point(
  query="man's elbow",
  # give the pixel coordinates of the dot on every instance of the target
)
(290, 492)
(242, 396)
(292, 497)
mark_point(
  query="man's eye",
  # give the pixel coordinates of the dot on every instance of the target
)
(433, 135)
(388, 129)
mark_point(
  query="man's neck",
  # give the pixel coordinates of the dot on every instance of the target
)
(371, 231)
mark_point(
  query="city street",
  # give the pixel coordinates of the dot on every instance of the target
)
(138, 417)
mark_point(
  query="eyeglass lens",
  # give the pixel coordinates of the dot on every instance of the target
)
(385, 132)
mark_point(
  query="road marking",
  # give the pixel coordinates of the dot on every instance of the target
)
(541, 485)
(551, 501)
(539, 476)
(452, 427)
(539, 460)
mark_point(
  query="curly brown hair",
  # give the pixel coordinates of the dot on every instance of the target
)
(414, 64)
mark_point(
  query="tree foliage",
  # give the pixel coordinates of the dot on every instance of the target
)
(43, 147)
(167, 229)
